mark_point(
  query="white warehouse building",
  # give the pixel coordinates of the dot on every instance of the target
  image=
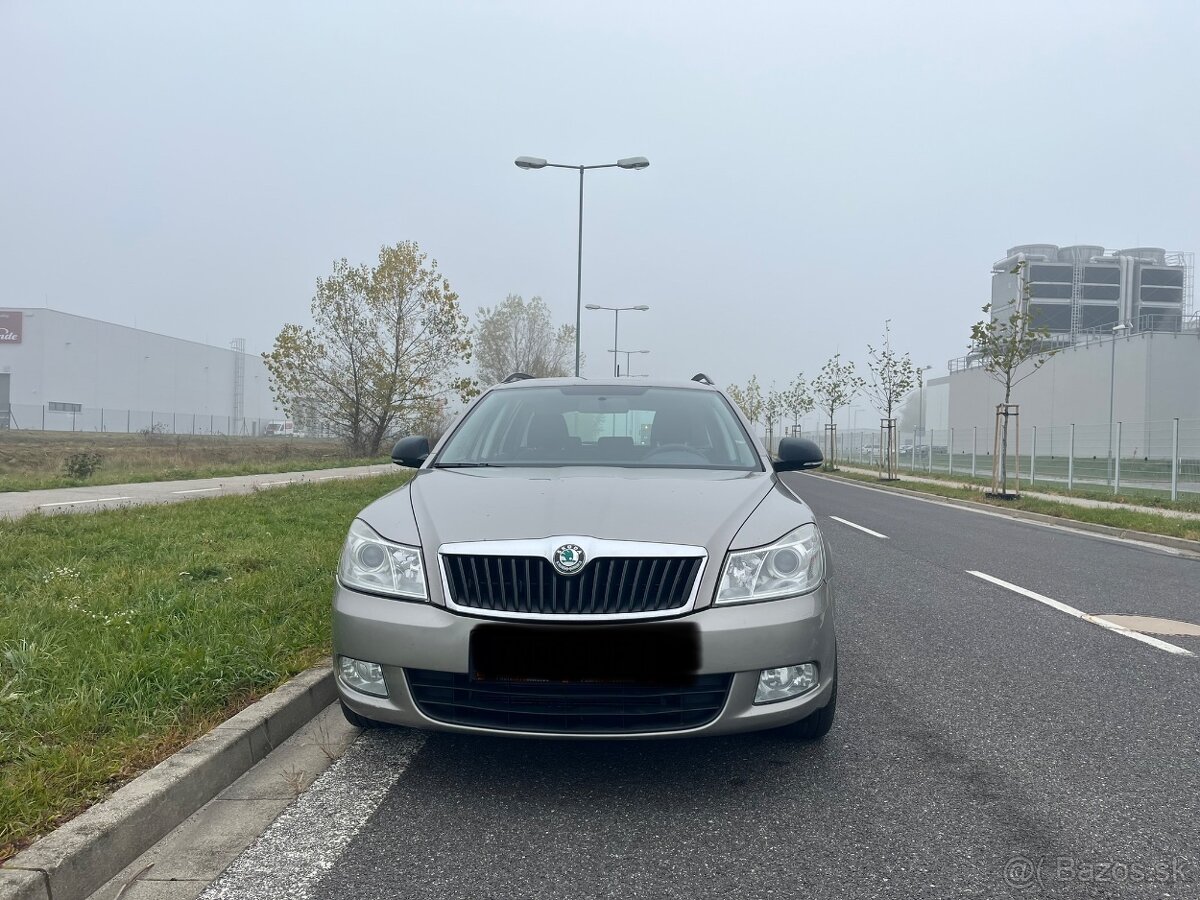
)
(64, 372)
(1127, 342)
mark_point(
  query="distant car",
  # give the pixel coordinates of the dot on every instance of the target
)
(555, 568)
(283, 427)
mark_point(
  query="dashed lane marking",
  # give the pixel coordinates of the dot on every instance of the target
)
(1008, 516)
(859, 527)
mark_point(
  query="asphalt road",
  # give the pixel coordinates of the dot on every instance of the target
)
(987, 745)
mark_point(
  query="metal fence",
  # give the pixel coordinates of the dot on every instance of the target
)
(1150, 458)
(67, 417)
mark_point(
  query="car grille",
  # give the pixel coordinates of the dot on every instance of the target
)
(606, 586)
(567, 708)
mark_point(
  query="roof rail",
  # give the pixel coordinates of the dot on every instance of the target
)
(703, 379)
(516, 376)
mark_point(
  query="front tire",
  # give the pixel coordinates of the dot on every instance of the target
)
(356, 720)
(815, 726)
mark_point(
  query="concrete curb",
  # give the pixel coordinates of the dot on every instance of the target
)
(73, 861)
(1144, 537)
(1032, 491)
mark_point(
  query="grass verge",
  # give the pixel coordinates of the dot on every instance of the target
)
(1128, 496)
(127, 633)
(37, 460)
(1128, 519)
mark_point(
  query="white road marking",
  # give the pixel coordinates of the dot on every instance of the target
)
(76, 502)
(1009, 517)
(1086, 617)
(269, 483)
(859, 527)
(330, 477)
(196, 491)
(309, 837)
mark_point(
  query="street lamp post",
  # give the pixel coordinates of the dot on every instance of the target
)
(533, 162)
(616, 311)
(921, 370)
(1112, 382)
(628, 353)
(851, 426)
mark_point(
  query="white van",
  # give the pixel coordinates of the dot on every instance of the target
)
(284, 427)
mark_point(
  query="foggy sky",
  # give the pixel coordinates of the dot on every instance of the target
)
(816, 168)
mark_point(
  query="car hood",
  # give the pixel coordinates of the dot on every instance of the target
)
(694, 507)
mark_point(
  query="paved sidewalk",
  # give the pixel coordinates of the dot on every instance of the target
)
(14, 504)
(1056, 498)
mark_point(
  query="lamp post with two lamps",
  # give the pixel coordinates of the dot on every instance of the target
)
(628, 353)
(616, 311)
(635, 163)
(1117, 331)
(921, 370)
(852, 425)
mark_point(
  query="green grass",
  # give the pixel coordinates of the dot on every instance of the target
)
(35, 460)
(1128, 519)
(983, 478)
(127, 633)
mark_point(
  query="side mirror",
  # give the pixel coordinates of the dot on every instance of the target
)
(798, 453)
(411, 451)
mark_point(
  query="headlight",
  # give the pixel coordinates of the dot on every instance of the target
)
(795, 564)
(372, 564)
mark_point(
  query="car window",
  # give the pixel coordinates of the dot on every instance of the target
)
(653, 427)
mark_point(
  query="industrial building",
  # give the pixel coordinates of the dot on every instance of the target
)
(1085, 290)
(1128, 343)
(65, 372)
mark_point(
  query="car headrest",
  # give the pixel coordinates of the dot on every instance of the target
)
(672, 426)
(547, 431)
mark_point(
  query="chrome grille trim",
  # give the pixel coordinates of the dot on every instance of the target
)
(640, 554)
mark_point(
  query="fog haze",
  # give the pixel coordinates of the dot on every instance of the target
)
(815, 168)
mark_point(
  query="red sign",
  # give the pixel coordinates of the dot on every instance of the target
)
(10, 327)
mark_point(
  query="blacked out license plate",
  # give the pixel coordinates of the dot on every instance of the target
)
(656, 653)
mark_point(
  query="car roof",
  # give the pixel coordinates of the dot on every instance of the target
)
(602, 382)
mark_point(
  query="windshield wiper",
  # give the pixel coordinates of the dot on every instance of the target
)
(467, 465)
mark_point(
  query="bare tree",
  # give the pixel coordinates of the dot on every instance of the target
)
(520, 336)
(432, 421)
(749, 398)
(773, 409)
(384, 347)
(1004, 346)
(892, 377)
(797, 400)
(834, 388)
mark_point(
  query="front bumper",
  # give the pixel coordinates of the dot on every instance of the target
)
(740, 640)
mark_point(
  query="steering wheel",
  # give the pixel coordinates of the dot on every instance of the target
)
(674, 448)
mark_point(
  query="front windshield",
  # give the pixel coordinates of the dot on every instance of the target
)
(635, 426)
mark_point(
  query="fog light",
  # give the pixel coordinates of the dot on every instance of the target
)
(362, 676)
(785, 682)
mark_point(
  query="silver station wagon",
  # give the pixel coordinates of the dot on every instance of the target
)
(594, 560)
